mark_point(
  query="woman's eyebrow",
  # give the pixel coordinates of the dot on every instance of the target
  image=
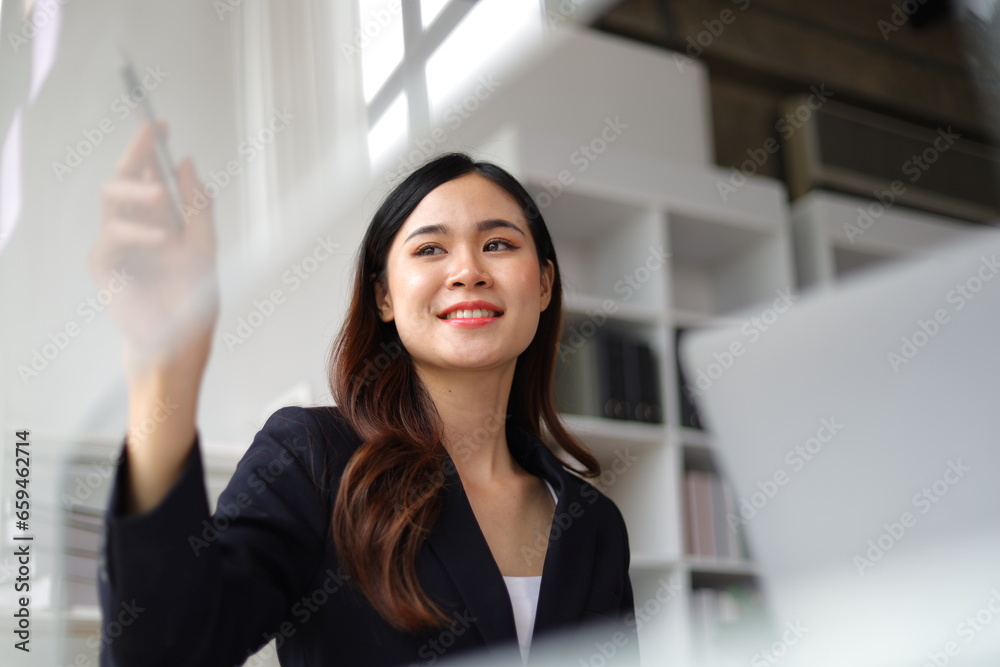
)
(481, 226)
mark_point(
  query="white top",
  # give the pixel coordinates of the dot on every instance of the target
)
(524, 600)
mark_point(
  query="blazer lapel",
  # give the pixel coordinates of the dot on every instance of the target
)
(462, 549)
(569, 559)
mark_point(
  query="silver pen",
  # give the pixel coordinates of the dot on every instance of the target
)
(163, 160)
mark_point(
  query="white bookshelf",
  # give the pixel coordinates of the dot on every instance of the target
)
(722, 256)
(834, 240)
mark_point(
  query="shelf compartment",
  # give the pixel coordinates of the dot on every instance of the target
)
(719, 268)
(613, 369)
(607, 248)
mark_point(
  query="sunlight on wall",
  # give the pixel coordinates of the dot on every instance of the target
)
(491, 34)
(381, 27)
(390, 132)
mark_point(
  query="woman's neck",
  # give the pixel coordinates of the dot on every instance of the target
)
(473, 409)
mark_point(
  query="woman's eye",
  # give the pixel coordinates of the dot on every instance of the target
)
(421, 249)
(503, 242)
(491, 244)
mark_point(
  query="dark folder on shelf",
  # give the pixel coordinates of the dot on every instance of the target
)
(641, 382)
(611, 378)
(689, 411)
(607, 375)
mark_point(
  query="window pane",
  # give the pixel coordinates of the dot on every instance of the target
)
(493, 32)
(389, 133)
(429, 10)
(380, 38)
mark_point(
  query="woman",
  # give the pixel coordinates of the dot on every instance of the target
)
(420, 519)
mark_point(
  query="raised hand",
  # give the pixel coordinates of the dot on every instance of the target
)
(164, 252)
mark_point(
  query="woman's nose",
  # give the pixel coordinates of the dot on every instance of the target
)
(469, 269)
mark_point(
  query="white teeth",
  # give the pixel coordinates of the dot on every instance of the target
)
(471, 313)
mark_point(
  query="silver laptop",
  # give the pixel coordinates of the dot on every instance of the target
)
(861, 435)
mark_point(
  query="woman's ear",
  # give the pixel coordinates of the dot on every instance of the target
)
(548, 277)
(383, 301)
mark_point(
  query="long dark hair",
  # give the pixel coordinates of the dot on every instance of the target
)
(390, 492)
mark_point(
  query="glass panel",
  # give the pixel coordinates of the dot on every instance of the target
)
(493, 32)
(429, 10)
(390, 132)
(380, 40)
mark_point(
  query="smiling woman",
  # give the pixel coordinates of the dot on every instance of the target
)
(425, 489)
(435, 271)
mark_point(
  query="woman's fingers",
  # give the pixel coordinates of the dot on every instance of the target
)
(145, 202)
(139, 159)
(128, 233)
(130, 245)
(172, 294)
(197, 205)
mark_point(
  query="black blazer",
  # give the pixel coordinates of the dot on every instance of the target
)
(181, 587)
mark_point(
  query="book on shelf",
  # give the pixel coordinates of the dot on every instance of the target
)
(611, 380)
(642, 387)
(608, 375)
(712, 529)
(689, 410)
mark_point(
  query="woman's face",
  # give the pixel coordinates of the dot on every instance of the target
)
(466, 241)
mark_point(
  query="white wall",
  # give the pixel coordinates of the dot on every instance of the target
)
(563, 99)
(44, 275)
